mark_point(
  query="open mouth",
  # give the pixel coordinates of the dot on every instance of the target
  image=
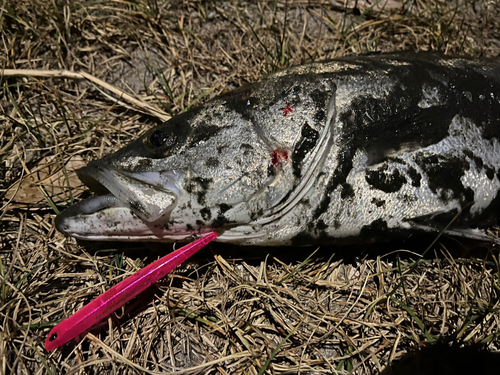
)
(150, 195)
(128, 205)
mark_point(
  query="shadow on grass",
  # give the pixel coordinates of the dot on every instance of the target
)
(445, 359)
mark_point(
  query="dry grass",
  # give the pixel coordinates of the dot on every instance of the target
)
(103, 72)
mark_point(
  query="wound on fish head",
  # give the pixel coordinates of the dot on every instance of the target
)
(279, 156)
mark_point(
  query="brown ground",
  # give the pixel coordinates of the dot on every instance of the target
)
(229, 312)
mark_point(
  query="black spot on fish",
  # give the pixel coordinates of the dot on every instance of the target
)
(347, 191)
(415, 176)
(220, 221)
(241, 106)
(336, 223)
(224, 207)
(376, 228)
(206, 214)
(320, 116)
(385, 180)
(320, 225)
(477, 160)
(201, 223)
(247, 149)
(189, 227)
(339, 177)
(143, 164)
(306, 143)
(378, 202)
(490, 172)
(203, 132)
(212, 162)
(221, 148)
(271, 170)
(256, 215)
(199, 186)
(305, 202)
(408, 198)
(321, 98)
(444, 174)
(136, 206)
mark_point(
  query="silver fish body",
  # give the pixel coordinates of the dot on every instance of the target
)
(339, 151)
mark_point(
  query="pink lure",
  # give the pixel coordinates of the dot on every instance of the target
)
(120, 294)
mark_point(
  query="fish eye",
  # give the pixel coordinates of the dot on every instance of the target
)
(53, 337)
(160, 138)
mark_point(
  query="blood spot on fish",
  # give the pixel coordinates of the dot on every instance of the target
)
(287, 110)
(279, 156)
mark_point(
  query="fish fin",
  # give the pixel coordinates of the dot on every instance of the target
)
(470, 233)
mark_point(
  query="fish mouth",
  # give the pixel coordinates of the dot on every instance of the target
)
(129, 206)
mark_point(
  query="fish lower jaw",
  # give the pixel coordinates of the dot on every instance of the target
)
(104, 218)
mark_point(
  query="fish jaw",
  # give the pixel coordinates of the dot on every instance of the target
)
(136, 208)
(94, 219)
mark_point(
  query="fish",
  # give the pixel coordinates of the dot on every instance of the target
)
(352, 150)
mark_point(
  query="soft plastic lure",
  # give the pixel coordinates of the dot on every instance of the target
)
(121, 293)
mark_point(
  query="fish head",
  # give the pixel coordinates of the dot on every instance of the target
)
(220, 166)
(177, 179)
